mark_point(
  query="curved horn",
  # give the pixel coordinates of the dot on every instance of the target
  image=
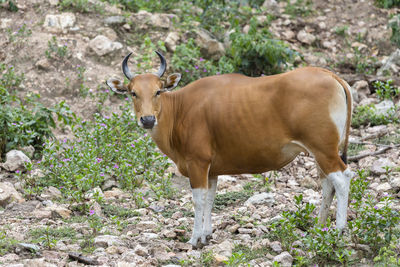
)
(163, 66)
(125, 67)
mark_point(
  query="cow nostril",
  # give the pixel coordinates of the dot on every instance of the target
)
(148, 121)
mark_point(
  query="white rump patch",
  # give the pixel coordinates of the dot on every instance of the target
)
(338, 111)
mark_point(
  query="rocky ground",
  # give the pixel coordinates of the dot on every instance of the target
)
(154, 236)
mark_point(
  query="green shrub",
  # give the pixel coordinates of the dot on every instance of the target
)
(386, 90)
(367, 115)
(394, 23)
(149, 5)
(300, 8)
(388, 3)
(11, 5)
(25, 121)
(256, 53)
(83, 6)
(188, 61)
(375, 223)
(109, 147)
(55, 50)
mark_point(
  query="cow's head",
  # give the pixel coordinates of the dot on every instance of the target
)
(146, 90)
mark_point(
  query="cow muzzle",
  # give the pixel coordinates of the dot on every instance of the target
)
(148, 122)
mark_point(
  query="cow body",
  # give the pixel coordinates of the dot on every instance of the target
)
(234, 124)
(240, 124)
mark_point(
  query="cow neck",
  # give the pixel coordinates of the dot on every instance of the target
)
(162, 134)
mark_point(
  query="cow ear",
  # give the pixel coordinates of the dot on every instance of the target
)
(172, 81)
(117, 86)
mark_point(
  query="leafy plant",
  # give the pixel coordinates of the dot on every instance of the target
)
(6, 243)
(386, 90)
(394, 24)
(19, 34)
(151, 6)
(327, 244)
(341, 30)
(367, 115)
(388, 3)
(11, 5)
(54, 50)
(256, 53)
(188, 61)
(25, 121)
(83, 6)
(300, 8)
(109, 147)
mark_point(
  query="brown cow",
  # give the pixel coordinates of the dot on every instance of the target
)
(233, 124)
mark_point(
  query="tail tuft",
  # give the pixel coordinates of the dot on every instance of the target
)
(344, 157)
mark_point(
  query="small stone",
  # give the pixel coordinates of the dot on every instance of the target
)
(260, 199)
(58, 23)
(41, 214)
(105, 241)
(8, 194)
(384, 187)
(171, 41)
(245, 231)
(59, 212)
(141, 251)
(101, 45)
(276, 246)
(308, 182)
(384, 107)
(395, 183)
(51, 193)
(95, 192)
(43, 64)
(220, 259)
(114, 193)
(305, 37)
(114, 20)
(112, 250)
(234, 228)
(284, 259)
(150, 236)
(146, 226)
(379, 166)
(30, 247)
(209, 46)
(169, 233)
(15, 161)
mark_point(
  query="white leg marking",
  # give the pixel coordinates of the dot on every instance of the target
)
(341, 182)
(207, 230)
(199, 199)
(328, 192)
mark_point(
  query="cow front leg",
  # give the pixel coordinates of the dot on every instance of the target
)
(198, 175)
(207, 227)
(199, 201)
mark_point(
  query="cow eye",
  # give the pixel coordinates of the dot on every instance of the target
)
(158, 92)
(133, 94)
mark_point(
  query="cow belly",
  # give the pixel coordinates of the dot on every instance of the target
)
(254, 161)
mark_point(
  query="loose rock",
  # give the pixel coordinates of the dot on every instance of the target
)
(15, 161)
(101, 45)
(261, 199)
(284, 259)
(8, 194)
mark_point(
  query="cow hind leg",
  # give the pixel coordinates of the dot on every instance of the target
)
(341, 183)
(328, 192)
(337, 182)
